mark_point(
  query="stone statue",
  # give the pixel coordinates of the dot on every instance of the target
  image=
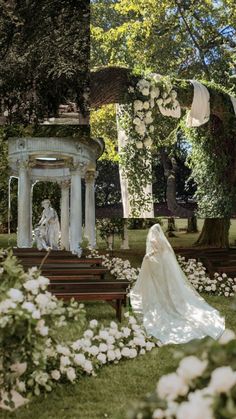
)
(48, 228)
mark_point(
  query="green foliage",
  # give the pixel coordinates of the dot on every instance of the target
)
(109, 226)
(44, 54)
(212, 161)
(181, 40)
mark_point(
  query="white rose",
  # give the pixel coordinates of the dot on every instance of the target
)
(93, 350)
(191, 367)
(93, 323)
(148, 142)
(126, 331)
(43, 331)
(42, 300)
(36, 314)
(171, 386)
(222, 379)
(118, 353)
(64, 361)
(64, 350)
(227, 336)
(102, 358)
(88, 334)
(79, 359)
(29, 306)
(140, 130)
(31, 285)
(139, 144)
(138, 105)
(5, 305)
(155, 92)
(15, 294)
(125, 352)
(145, 91)
(146, 105)
(148, 120)
(103, 347)
(88, 366)
(133, 353)
(103, 334)
(55, 374)
(71, 375)
(151, 128)
(137, 121)
(111, 356)
(195, 409)
(43, 282)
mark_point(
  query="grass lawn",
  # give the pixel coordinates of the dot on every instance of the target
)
(110, 393)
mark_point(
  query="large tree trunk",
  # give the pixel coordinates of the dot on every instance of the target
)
(215, 233)
(192, 225)
(171, 227)
(170, 168)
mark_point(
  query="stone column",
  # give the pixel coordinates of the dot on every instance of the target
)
(76, 210)
(24, 206)
(90, 220)
(65, 214)
(32, 183)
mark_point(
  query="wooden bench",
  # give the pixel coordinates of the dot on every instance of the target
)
(111, 291)
(84, 279)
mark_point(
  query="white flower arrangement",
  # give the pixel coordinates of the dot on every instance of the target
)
(151, 93)
(32, 359)
(201, 387)
(194, 270)
(196, 273)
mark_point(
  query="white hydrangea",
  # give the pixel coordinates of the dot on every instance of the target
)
(171, 386)
(222, 379)
(15, 294)
(191, 367)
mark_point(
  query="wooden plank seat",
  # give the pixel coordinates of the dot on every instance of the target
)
(112, 291)
(84, 279)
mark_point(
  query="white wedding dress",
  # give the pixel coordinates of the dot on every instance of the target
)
(171, 309)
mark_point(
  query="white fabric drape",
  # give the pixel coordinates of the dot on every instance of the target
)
(171, 309)
(200, 109)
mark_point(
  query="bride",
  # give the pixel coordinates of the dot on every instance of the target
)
(171, 309)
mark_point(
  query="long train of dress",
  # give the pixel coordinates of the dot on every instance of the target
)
(171, 309)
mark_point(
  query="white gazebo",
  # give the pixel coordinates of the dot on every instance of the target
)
(65, 160)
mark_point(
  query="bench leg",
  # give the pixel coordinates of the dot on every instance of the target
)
(118, 309)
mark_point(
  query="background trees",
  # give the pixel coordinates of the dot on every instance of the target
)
(180, 38)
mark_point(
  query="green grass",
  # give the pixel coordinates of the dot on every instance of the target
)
(113, 389)
(137, 238)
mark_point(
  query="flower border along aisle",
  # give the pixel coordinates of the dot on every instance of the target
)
(32, 359)
(194, 270)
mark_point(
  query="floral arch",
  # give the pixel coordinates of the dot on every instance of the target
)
(210, 126)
